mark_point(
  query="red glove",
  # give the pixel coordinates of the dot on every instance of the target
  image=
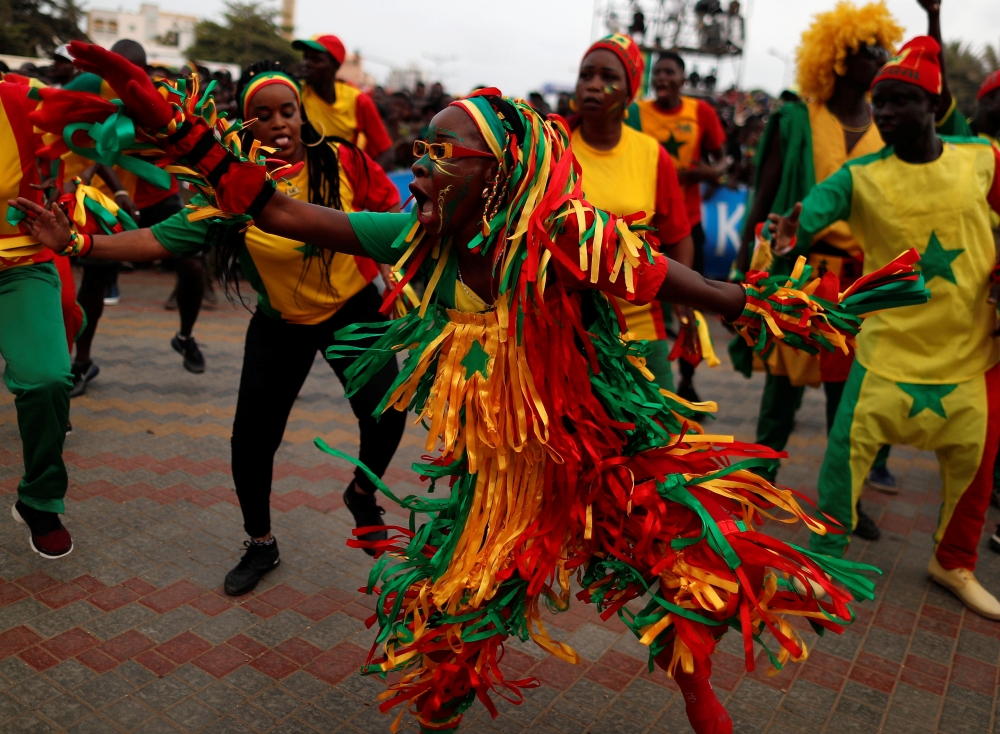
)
(130, 83)
(239, 187)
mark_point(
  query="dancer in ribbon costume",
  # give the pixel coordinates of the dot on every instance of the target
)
(32, 334)
(803, 144)
(304, 295)
(924, 376)
(627, 172)
(559, 456)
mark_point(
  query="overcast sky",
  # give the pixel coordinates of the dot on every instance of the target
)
(519, 45)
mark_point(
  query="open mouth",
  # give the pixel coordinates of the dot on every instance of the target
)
(423, 204)
(281, 141)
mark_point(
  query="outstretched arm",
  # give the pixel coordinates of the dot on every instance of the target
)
(933, 8)
(297, 220)
(52, 229)
(686, 287)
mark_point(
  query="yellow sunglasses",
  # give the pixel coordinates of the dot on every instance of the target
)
(439, 151)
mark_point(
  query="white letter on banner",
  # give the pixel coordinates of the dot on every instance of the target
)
(727, 227)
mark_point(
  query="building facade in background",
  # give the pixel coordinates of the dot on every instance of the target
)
(165, 36)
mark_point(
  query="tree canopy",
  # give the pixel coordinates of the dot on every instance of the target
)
(966, 71)
(30, 27)
(249, 33)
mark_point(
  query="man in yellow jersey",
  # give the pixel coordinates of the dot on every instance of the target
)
(924, 375)
(32, 337)
(336, 108)
(805, 143)
(690, 131)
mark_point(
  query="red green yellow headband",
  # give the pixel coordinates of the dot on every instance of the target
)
(264, 79)
(631, 57)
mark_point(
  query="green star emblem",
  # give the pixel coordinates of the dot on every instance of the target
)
(673, 145)
(936, 261)
(926, 397)
(308, 251)
(476, 360)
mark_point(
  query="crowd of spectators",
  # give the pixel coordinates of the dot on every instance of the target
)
(406, 114)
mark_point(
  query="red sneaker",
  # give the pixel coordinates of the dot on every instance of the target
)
(48, 538)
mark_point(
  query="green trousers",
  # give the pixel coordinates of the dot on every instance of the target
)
(778, 405)
(33, 344)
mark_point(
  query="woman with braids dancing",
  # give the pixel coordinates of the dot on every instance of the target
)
(305, 294)
(554, 455)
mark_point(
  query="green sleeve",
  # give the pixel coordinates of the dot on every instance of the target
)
(378, 231)
(85, 83)
(827, 202)
(953, 124)
(181, 236)
(632, 117)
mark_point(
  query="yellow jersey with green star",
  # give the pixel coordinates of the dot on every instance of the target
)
(942, 209)
(289, 277)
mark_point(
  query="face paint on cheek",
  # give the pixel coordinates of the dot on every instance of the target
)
(441, 205)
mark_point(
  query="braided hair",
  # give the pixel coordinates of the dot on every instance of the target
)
(323, 170)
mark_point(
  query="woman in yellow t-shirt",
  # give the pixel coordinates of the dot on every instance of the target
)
(305, 295)
(627, 172)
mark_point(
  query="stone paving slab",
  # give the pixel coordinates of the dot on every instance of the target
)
(132, 633)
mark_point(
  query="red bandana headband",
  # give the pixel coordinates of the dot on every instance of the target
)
(631, 57)
(990, 84)
(916, 63)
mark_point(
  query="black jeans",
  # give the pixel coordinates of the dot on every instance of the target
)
(276, 361)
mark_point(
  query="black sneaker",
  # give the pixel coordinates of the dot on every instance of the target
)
(881, 479)
(995, 540)
(48, 538)
(258, 560)
(686, 390)
(366, 514)
(193, 359)
(82, 374)
(866, 527)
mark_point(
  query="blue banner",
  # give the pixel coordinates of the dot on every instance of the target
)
(722, 218)
(401, 179)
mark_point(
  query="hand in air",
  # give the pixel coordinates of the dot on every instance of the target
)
(933, 7)
(49, 226)
(130, 83)
(783, 230)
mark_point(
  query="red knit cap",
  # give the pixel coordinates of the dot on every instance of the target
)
(991, 83)
(631, 57)
(916, 63)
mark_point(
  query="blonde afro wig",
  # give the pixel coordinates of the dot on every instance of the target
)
(836, 35)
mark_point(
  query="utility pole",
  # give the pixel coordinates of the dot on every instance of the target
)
(288, 19)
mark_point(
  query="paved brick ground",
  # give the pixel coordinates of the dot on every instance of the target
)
(132, 632)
